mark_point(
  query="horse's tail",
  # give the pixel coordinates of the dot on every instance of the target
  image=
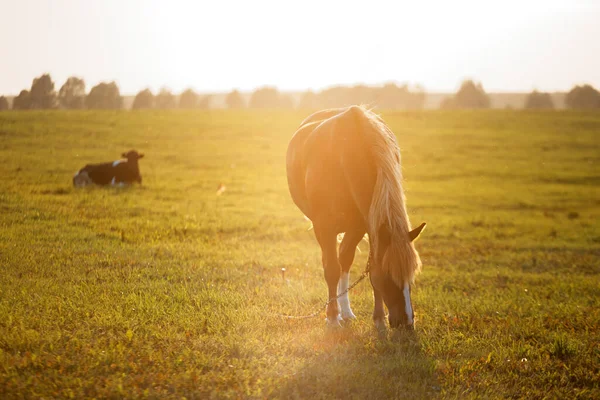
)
(388, 222)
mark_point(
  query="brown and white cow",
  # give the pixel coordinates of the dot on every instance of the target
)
(120, 172)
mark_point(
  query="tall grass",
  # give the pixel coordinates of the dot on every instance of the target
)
(170, 290)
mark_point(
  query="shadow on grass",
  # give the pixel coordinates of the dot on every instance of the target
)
(370, 366)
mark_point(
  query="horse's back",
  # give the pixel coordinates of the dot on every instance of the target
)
(322, 115)
(330, 171)
(295, 165)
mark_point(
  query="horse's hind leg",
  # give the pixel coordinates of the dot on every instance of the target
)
(328, 241)
(347, 252)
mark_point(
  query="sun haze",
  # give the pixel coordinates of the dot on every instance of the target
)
(216, 46)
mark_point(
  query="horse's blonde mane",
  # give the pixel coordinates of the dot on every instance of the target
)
(400, 260)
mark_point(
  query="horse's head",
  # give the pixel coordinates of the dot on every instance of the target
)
(388, 278)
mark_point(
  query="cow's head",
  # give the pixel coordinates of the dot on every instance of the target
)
(132, 155)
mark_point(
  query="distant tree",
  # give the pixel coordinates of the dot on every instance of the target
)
(164, 100)
(538, 100)
(362, 94)
(22, 101)
(104, 96)
(286, 101)
(391, 96)
(339, 96)
(188, 99)
(269, 97)
(470, 95)
(447, 103)
(43, 95)
(204, 102)
(144, 99)
(583, 97)
(309, 101)
(234, 100)
(72, 94)
(3, 103)
(417, 99)
(265, 97)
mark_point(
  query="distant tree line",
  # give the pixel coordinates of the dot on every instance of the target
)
(72, 95)
(471, 95)
(389, 96)
(165, 100)
(106, 95)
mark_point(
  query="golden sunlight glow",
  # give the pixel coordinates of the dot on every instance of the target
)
(216, 46)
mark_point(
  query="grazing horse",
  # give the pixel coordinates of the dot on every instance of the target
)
(343, 170)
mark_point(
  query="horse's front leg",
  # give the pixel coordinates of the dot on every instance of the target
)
(378, 310)
(347, 252)
(328, 242)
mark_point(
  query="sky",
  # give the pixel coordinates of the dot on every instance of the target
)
(219, 45)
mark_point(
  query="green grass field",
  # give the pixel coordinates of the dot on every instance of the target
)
(168, 290)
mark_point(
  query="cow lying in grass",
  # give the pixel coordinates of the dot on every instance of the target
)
(120, 172)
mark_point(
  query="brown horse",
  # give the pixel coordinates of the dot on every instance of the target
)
(343, 169)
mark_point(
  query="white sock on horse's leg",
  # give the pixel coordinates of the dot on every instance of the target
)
(344, 300)
(407, 305)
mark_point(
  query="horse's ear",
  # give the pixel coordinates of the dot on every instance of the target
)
(141, 155)
(414, 234)
(124, 155)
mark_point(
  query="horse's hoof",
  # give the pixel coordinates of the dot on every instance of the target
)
(348, 315)
(334, 323)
